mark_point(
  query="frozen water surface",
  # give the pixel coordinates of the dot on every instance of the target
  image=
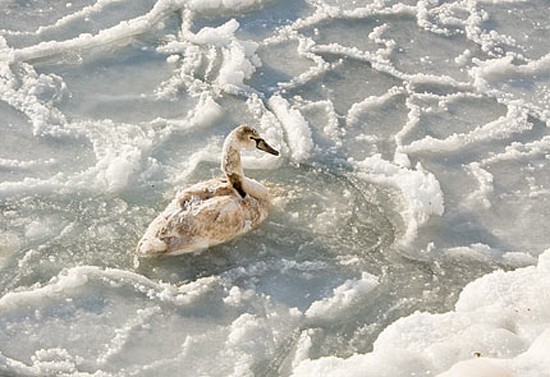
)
(408, 233)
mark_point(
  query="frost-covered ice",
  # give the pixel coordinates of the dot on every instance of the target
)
(499, 327)
(408, 234)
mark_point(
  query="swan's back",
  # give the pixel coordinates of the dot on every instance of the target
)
(200, 217)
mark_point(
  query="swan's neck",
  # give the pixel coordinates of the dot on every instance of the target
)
(231, 165)
(231, 161)
(233, 170)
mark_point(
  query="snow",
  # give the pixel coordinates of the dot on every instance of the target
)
(408, 229)
(419, 188)
(298, 133)
(498, 328)
(342, 297)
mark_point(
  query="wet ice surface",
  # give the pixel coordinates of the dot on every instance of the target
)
(414, 140)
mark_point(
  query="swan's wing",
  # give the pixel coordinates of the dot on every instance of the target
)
(201, 223)
(203, 191)
(216, 219)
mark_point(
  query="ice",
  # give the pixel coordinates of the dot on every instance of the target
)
(499, 318)
(30, 92)
(296, 128)
(419, 188)
(407, 234)
(219, 36)
(342, 297)
(226, 60)
(506, 80)
(482, 195)
(217, 5)
(516, 121)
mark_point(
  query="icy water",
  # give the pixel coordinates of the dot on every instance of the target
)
(408, 235)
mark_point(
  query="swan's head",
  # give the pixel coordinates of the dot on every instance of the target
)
(248, 137)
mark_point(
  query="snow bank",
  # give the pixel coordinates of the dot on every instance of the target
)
(498, 70)
(125, 30)
(419, 188)
(32, 93)
(514, 122)
(503, 79)
(519, 151)
(342, 297)
(74, 279)
(128, 322)
(121, 32)
(297, 129)
(217, 5)
(485, 181)
(238, 65)
(500, 327)
(239, 59)
(227, 61)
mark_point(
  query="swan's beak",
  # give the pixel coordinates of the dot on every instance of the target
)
(263, 146)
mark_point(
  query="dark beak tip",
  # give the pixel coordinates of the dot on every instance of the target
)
(273, 151)
(262, 145)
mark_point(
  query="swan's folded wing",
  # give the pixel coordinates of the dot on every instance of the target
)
(200, 224)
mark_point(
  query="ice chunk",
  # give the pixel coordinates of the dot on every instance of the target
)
(343, 297)
(420, 189)
(498, 317)
(296, 128)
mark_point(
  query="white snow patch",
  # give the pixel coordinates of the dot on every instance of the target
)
(504, 317)
(419, 188)
(515, 121)
(297, 129)
(343, 297)
(217, 5)
(485, 182)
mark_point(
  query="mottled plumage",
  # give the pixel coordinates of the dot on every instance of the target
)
(213, 211)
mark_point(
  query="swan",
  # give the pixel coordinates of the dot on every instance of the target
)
(213, 211)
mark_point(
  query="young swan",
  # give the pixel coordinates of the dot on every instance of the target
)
(214, 211)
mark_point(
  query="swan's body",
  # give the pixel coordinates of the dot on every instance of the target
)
(214, 211)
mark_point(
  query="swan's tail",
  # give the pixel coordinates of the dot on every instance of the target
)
(148, 247)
